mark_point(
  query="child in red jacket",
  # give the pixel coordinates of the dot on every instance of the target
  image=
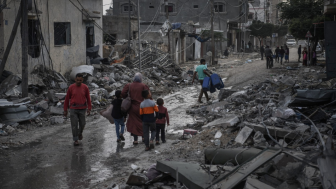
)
(162, 118)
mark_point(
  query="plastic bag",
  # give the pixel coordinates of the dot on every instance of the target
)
(107, 113)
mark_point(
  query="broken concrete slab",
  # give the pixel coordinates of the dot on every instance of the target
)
(228, 121)
(43, 104)
(215, 107)
(252, 183)
(190, 174)
(225, 93)
(58, 110)
(244, 170)
(56, 120)
(216, 156)
(275, 131)
(243, 135)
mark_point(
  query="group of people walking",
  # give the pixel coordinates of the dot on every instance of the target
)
(145, 117)
(307, 55)
(278, 55)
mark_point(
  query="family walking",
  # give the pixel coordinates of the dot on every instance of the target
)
(146, 119)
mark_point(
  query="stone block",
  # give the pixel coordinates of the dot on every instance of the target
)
(56, 110)
(243, 135)
(43, 104)
(228, 121)
(56, 120)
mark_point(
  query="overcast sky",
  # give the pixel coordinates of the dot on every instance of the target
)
(107, 5)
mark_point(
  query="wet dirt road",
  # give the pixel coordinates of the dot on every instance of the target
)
(53, 161)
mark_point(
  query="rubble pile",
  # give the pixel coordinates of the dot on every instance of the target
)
(47, 91)
(274, 134)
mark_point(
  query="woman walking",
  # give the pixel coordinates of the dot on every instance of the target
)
(134, 122)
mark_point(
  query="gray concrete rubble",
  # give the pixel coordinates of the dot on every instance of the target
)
(264, 136)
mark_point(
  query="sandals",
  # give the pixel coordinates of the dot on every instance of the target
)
(157, 143)
(135, 143)
(80, 137)
(76, 143)
(118, 140)
(147, 149)
(122, 137)
(151, 145)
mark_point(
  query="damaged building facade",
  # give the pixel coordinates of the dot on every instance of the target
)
(62, 29)
(191, 17)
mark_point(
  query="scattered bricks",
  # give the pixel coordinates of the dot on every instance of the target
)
(56, 120)
(189, 131)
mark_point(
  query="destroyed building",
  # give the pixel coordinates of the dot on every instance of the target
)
(59, 33)
(189, 18)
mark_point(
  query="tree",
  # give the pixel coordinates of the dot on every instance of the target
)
(301, 16)
(261, 30)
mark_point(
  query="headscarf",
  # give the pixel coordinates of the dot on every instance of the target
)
(137, 78)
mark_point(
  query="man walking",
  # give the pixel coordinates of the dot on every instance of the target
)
(80, 102)
(299, 53)
(200, 70)
(262, 50)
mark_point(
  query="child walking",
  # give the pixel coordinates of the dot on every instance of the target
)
(118, 116)
(163, 117)
(148, 111)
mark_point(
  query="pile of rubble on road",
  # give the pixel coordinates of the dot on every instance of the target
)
(279, 133)
(47, 91)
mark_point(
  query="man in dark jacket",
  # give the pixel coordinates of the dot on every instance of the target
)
(299, 53)
(262, 50)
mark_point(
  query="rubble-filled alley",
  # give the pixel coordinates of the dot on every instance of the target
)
(268, 128)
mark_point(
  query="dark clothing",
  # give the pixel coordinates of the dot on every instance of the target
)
(268, 52)
(116, 111)
(226, 53)
(299, 51)
(262, 50)
(201, 93)
(277, 51)
(77, 118)
(162, 116)
(282, 52)
(119, 126)
(146, 128)
(160, 129)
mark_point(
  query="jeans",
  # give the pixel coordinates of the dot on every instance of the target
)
(119, 123)
(77, 119)
(146, 128)
(281, 58)
(160, 127)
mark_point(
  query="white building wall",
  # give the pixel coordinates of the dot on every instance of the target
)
(63, 57)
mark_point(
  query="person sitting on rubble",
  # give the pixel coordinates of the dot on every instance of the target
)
(80, 102)
(201, 71)
(148, 113)
(118, 116)
(163, 117)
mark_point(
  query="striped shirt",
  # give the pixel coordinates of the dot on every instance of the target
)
(147, 111)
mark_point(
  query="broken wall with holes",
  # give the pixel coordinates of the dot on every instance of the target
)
(64, 29)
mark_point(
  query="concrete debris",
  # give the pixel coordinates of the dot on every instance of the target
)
(243, 135)
(56, 120)
(227, 121)
(137, 179)
(218, 134)
(58, 110)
